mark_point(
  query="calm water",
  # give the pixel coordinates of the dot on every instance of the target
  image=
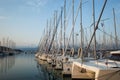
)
(21, 67)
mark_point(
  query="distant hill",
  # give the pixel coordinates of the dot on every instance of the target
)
(27, 49)
(7, 49)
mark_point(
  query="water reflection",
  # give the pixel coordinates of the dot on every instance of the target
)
(6, 63)
(25, 67)
(49, 73)
(42, 72)
(19, 67)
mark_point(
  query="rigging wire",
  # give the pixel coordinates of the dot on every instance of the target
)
(108, 34)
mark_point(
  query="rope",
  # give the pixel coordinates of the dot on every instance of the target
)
(107, 34)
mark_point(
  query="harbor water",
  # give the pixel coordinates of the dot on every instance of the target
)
(26, 67)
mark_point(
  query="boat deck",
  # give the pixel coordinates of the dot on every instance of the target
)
(99, 64)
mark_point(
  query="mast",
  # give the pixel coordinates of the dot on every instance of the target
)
(53, 45)
(64, 23)
(104, 44)
(47, 28)
(111, 41)
(50, 31)
(104, 39)
(3, 44)
(56, 25)
(76, 39)
(54, 32)
(46, 44)
(61, 29)
(94, 29)
(73, 21)
(81, 28)
(115, 29)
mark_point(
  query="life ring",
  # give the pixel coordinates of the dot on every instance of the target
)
(79, 52)
(72, 52)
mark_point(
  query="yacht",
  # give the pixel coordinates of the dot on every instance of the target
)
(101, 69)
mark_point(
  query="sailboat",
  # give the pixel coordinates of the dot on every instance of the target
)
(97, 69)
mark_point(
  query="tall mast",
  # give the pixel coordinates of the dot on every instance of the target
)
(81, 27)
(115, 29)
(73, 21)
(64, 22)
(54, 20)
(55, 26)
(104, 39)
(94, 29)
(47, 28)
(46, 45)
(61, 29)
(53, 31)
(50, 30)
(111, 41)
(49, 35)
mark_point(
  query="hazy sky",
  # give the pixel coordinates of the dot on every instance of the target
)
(23, 21)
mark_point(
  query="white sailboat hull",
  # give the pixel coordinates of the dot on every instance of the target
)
(96, 71)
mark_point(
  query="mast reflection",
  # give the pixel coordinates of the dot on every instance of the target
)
(6, 63)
